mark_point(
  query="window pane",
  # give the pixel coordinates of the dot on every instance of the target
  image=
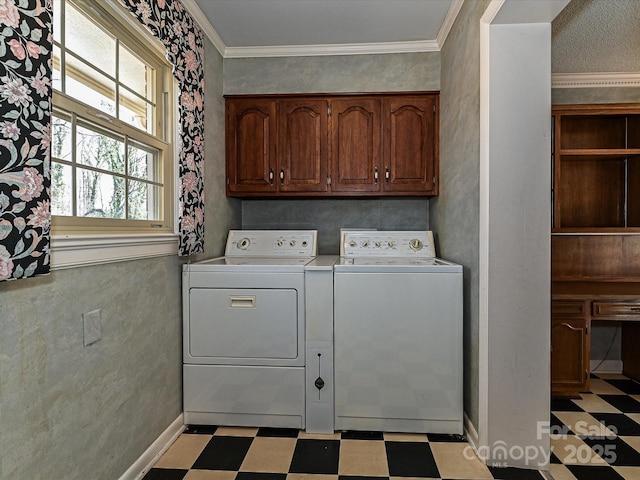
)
(98, 150)
(134, 110)
(61, 189)
(84, 38)
(61, 139)
(57, 6)
(56, 75)
(143, 201)
(143, 162)
(87, 85)
(100, 195)
(135, 74)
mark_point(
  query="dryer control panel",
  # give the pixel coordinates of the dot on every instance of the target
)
(375, 243)
(270, 243)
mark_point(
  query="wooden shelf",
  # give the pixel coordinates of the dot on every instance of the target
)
(601, 152)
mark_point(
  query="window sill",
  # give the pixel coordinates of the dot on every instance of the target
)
(71, 251)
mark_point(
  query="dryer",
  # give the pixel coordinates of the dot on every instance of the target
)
(244, 331)
(397, 335)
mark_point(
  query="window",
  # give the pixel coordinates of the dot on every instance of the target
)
(112, 159)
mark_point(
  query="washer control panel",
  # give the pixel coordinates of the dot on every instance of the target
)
(375, 243)
(270, 243)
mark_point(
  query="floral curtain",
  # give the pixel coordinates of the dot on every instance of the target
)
(175, 28)
(25, 115)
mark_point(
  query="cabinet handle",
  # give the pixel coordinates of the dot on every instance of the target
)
(282, 175)
(386, 174)
(375, 175)
(271, 176)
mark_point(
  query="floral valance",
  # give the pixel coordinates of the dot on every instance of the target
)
(25, 115)
(175, 28)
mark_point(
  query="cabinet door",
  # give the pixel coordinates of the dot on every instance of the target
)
(569, 355)
(251, 145)
(355, 145)
(302, 145)
(410, 136)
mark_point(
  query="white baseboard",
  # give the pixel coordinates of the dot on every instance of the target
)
(152, 454)
(608, 366)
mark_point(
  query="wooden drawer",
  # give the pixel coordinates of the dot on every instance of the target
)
(622, 309)
(568, 308)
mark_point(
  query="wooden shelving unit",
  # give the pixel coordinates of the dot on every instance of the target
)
(595, 243)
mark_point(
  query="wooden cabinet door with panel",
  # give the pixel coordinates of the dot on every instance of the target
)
(302, 145)
(251, 145)
(570, 347)
(411, 138)
(355, 145)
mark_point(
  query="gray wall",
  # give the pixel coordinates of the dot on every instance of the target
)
(329, 216)
(586, 33)
(347, 73)
(454, 215)
(591, 36)
(67, 411)
(75, 412)
(221, 213)
(351, 73)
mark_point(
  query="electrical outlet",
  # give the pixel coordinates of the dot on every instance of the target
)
(92, 327)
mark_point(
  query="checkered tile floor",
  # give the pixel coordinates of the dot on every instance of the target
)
(596, 437)
(225, 453)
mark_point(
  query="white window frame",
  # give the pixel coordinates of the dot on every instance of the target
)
(80, 242)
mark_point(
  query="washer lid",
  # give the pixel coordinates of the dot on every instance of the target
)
(396, 265)
(251, 264)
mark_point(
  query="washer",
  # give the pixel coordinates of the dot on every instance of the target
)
(397, 335)
(244, 331)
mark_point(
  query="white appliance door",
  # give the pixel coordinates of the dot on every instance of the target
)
(398, 352)
(243, 324)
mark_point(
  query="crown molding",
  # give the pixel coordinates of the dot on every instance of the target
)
(322, 50)
(334, 49)
(595, 80)
(449, 20)
(200, 18)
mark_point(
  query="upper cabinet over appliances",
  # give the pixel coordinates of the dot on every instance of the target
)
(332, 145)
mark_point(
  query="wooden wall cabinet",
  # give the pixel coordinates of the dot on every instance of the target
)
(332, 145)
(251, 144)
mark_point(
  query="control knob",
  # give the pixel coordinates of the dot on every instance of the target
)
(244, 243)
(415, 245)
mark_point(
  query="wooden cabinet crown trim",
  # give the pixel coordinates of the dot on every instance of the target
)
(335, 94)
